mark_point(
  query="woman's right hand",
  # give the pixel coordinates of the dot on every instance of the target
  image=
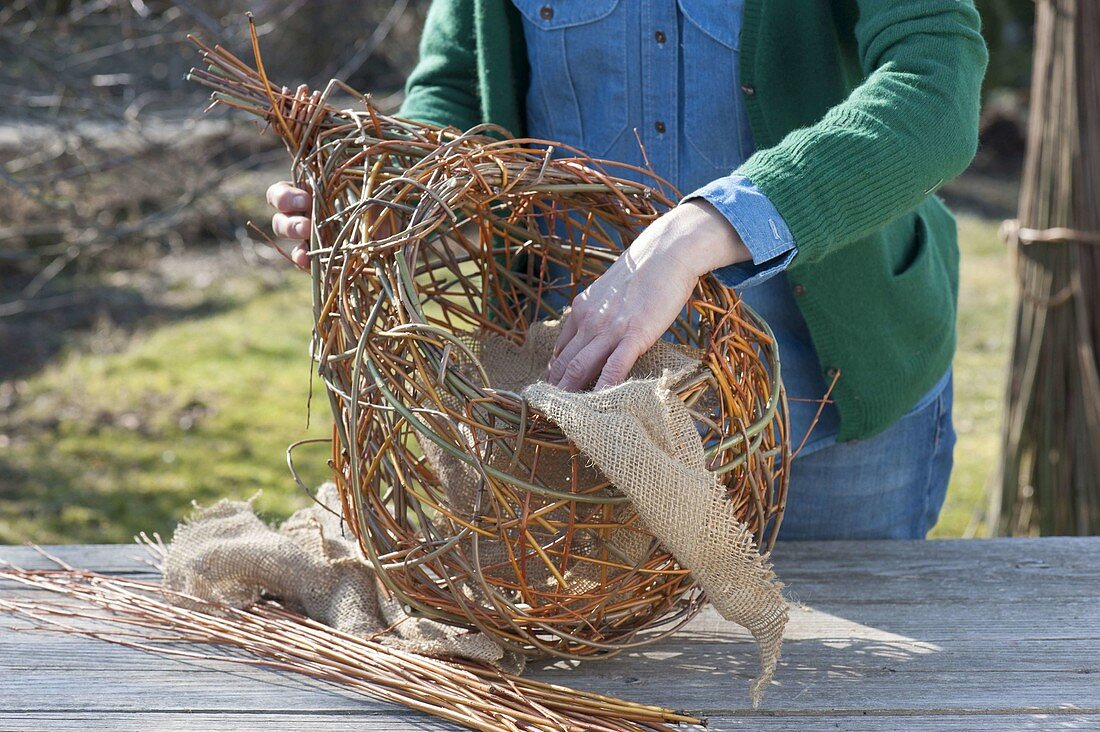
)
(291, 221)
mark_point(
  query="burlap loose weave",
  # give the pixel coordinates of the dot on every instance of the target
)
(311, 563)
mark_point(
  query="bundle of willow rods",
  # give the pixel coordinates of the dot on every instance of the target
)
(143, 615)
(1051, 478)
(427, 239)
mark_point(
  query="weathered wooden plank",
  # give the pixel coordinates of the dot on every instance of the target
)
(711, 690)
(916, 596)
(815, 640)
(51, 651)
(997, 620)
(896, 573)
(112, 558)
(909, 723)
(833, 560)
(200, 721)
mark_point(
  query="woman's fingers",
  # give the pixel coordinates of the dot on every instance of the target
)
(299, 256)
(568, 331)
(585, 366)
(290, 227)
(292, 220)
(566, 352)
(294, 227)
(566, 347)
(286, 198)
(621, 360)
(574, 336)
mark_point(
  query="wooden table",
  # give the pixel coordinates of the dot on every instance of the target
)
(943, 635)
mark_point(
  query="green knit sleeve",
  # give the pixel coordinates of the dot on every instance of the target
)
(443, 87)
(909, 127)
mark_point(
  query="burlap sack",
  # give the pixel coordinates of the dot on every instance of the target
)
(642, 437)
(311, 563)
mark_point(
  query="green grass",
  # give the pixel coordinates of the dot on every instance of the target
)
(103, 446)
(981, 367)
(100, 446)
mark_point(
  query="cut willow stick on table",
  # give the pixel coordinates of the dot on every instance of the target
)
(1051, 473)
(142, 615)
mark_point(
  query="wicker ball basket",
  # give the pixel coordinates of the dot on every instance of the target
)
(427, 241)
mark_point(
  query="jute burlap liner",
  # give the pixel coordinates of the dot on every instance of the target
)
(311, 563)
(638, 434)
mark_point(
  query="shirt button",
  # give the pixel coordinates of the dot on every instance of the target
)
(660, 36)
(546, 12)
(799, 290)
(748, 89)
(659, 126)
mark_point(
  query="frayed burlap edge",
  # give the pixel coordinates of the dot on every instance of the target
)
(642, 437)
(225, 554)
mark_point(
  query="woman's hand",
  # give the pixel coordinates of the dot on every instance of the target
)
(293, 206)
(627, 309)
(291, 221)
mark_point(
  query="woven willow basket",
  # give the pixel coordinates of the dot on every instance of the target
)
(427, 241)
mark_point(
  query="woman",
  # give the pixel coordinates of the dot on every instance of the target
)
(811, 137)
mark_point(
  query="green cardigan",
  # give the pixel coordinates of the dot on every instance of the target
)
(860, 109)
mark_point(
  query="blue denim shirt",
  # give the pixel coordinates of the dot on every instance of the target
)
(601, 69)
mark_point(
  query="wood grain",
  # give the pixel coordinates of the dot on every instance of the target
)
(202, 721)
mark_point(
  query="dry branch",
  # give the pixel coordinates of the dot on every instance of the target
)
(1051, 475)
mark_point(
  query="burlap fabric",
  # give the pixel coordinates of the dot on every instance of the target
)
(312, 563)
(512, 367)
(641, 436)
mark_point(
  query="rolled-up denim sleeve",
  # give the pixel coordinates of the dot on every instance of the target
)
(759, 224)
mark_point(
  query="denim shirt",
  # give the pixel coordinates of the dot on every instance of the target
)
(601, 69)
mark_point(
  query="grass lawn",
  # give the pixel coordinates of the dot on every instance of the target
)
(100, 446)
(108, 445)
(981, 367)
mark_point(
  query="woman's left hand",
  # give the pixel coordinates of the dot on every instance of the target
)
(628, 308)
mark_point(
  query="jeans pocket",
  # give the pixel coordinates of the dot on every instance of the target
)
(945, 427)
(934, 396)
(711, 45)
(578, 89)
(943, 458)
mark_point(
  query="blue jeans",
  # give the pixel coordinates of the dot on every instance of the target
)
(890, 486)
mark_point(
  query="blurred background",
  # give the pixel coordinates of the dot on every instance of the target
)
(153, 350)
